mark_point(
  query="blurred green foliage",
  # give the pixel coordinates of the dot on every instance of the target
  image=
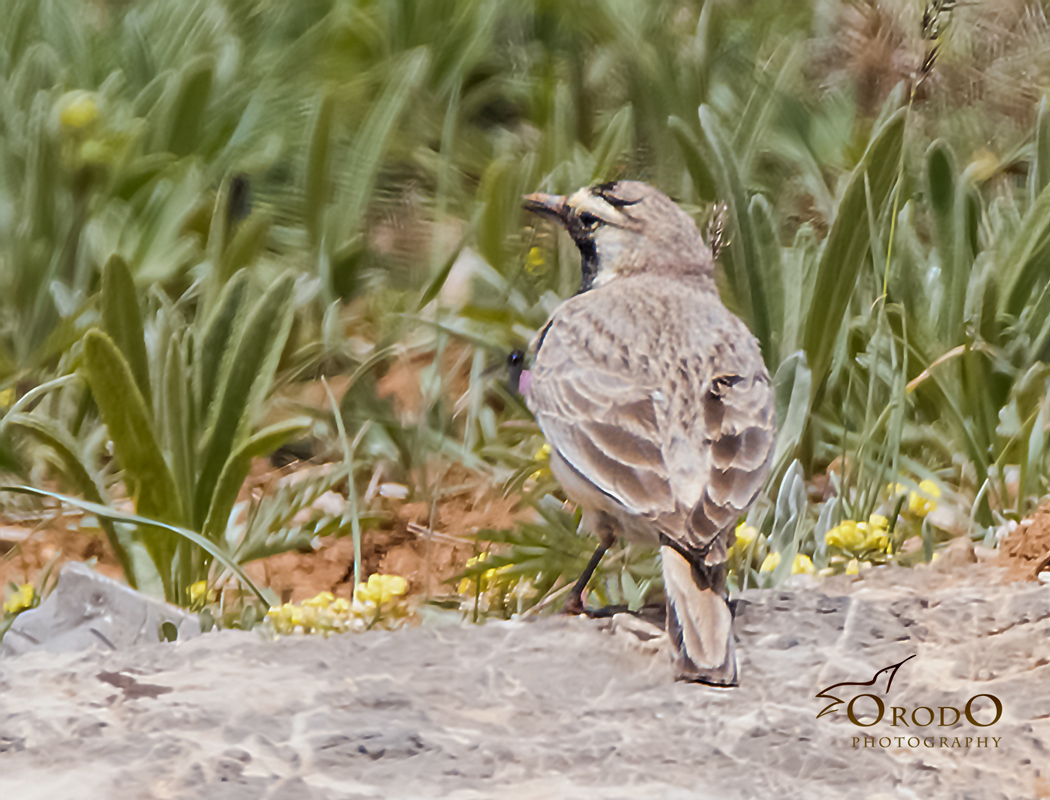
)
(286, 191)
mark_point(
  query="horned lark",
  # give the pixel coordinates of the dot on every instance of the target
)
(656, 405)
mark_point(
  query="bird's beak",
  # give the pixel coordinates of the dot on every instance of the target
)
(549, 205)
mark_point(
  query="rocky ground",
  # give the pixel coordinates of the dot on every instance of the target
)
(558, 707)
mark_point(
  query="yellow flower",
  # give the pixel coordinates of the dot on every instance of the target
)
(21, 599)
(199, 594)
(853, 567)
(7, 397)
(535, 260)
(859, 536)
(380, 589)
(924, 501)
(295, 616)
(846, 535)
(466, 584)
(323, 600)
(543, 455)
(79, 110)
(802, 564)
(745, 535)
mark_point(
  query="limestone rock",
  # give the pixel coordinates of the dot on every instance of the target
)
(88, 610)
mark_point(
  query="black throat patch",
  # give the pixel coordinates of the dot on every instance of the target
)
(588, 263)
(584, 239)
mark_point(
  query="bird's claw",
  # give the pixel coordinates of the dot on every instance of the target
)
(574, 605)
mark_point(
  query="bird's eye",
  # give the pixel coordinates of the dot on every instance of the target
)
(589, 221)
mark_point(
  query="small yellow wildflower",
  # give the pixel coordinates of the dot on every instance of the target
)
(21, 599)
(846, 535)
(924, 501)
(78, 110)
(745, 535)
(380, 589)
(199, 594)
(466, 584)
(853, 567)
(802, 565)
(7, 397)
(878, 533)
(543, 456)
(323, 600)
(860, 536)
(534, 261)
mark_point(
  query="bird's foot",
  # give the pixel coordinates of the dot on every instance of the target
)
(574, 607)
(605, 611)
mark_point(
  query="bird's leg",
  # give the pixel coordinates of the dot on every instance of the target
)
(574, 604)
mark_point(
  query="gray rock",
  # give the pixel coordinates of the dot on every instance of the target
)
(557, 707)
(87, 610)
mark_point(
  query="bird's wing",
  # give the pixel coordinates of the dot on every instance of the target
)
(737, 431)
(682, 442)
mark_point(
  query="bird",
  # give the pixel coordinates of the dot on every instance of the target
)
(656, 404)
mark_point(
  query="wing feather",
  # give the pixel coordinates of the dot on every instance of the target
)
(673, 422)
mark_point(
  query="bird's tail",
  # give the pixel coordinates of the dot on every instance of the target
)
(699, 621)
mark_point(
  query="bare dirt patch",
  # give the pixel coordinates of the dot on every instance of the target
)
(29, 546)
(427, 552)
(1026, 552)
(427, 545)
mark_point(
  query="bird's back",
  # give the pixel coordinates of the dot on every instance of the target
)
(657, 397)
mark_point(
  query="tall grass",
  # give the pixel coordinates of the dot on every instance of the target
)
(892, 266)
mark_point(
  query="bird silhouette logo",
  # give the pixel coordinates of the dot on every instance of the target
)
(890, 672)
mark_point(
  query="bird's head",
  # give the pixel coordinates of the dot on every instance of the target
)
(626, 228)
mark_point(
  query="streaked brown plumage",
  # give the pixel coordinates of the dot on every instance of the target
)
(656, 404)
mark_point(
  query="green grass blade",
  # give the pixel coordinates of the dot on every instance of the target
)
(615, 139)
(375, 136)
(438, 281)
(1039, 172)
(176, 421)
(104, 512)
(847, 247)
(146, 474)
(245, 246)
(238, 466)
(122, 320)
(792, 386)
(34, 394)
(742, 258)
(771, 272)
(218, 332)
(48, 433)
(318, 169)
(1025, 263)
(698, 158)
(248, 369)
(189, 97)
